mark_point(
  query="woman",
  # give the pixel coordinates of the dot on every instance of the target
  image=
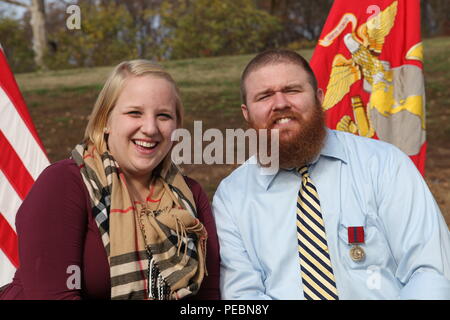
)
(118, 220)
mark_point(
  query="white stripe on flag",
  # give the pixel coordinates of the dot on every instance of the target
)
(10, 201)
(7, 270)
(19, 136)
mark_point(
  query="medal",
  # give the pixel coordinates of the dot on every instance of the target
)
(357, 253)
(355, 237)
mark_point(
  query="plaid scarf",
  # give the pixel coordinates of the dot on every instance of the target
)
(157, 249)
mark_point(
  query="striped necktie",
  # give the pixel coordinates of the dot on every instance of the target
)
(317, 274)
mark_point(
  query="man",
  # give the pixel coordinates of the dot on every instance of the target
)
(345, 217)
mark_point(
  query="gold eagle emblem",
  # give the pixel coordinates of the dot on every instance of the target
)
(365, 45)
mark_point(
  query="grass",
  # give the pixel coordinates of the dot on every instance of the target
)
(60, 102)
(190, 74)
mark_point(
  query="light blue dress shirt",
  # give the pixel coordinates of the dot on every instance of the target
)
(361, 182)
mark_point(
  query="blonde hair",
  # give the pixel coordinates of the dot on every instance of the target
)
(106, 101)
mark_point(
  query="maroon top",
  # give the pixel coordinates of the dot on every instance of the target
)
(56, 229)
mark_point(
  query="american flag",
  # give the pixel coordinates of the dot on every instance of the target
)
(22, 159)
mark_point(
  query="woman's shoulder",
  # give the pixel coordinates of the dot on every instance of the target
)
(61, 169)
(195, 186)
(61, 166)
(191, 182)
(200, 196)
(64, 174)
(57, 196)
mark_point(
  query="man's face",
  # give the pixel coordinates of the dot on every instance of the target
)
(280, 96)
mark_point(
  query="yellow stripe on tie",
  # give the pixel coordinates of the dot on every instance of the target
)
(316, 285)
(310, 293)
(316, 263)
(312, 225)
(312, 202)
(319, 242)
(319, 276)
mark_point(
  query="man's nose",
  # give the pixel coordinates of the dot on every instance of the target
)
(280, 101)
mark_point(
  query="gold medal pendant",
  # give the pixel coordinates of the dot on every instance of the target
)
(355, 237)
(357, 253)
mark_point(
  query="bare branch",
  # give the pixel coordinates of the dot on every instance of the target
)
(67, 2)
(17, 3)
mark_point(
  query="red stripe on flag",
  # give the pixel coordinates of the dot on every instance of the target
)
(8, 241)
(419, 159)
(13, 168)
(9, 85)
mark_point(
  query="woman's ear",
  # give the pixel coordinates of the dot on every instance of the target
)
(107, 128)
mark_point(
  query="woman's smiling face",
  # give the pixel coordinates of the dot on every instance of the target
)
(141, 124)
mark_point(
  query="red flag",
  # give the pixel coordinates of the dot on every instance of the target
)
(369, 62)
(22, 158)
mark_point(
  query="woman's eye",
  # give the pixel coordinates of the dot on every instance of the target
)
(165, 115)
(134, 113)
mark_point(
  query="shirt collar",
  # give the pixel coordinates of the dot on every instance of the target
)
(332, 148)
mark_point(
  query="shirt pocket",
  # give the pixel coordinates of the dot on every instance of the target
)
(376, 250)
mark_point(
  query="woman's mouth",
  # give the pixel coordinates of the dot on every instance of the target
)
(145, 147)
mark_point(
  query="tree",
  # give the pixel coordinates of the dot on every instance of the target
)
(215, 27)
(107, 36)
(19, 53)
(146, 17)
(435, 17)
(301, 19)
(37, 22)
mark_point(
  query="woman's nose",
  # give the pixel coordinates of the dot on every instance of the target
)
(149, 126)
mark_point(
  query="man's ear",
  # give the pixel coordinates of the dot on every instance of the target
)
(244, 112)
(320, 95)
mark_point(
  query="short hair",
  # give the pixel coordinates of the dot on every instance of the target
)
(274, 56)
(110, 92)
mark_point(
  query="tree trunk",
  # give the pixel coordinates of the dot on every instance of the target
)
(37, 10)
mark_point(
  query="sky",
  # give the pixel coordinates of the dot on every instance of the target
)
(12, 11)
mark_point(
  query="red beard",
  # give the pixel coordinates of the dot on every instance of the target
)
(297, 147)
